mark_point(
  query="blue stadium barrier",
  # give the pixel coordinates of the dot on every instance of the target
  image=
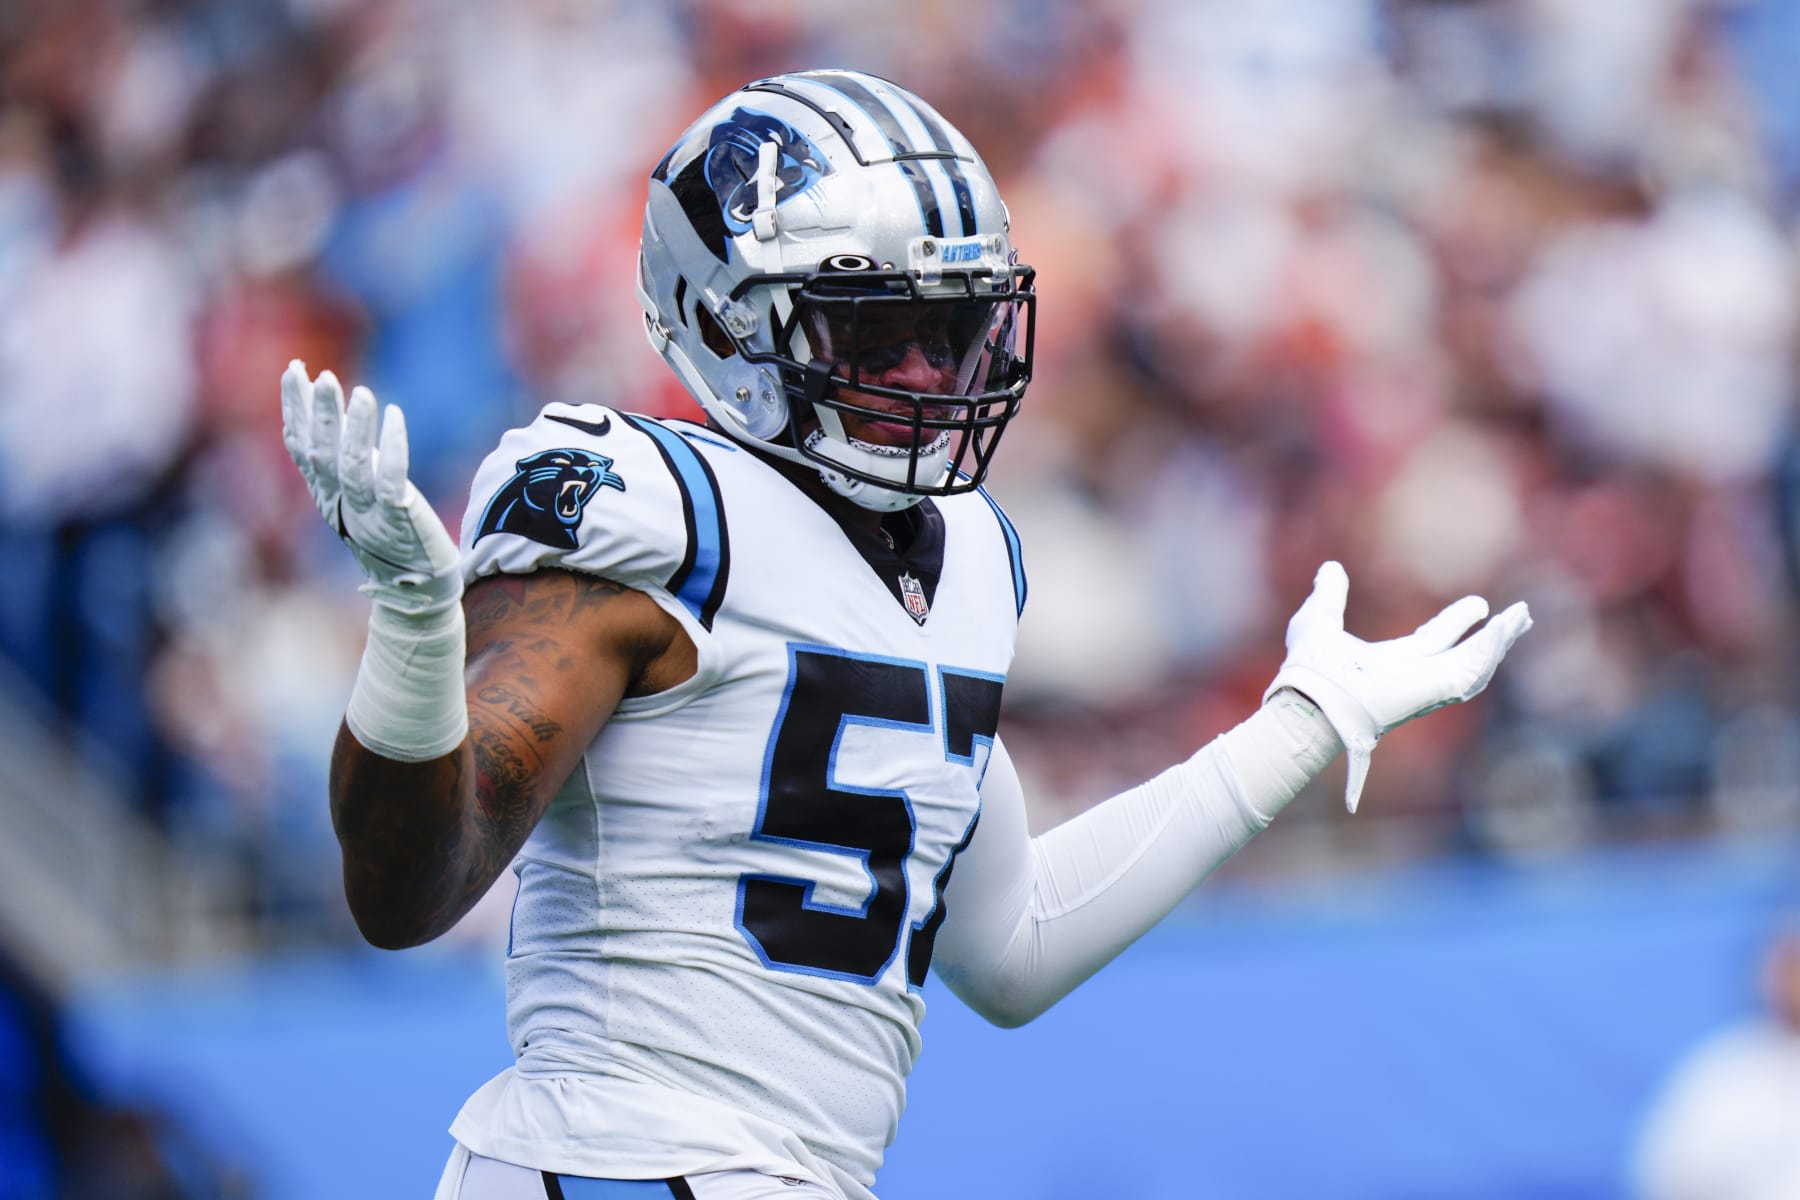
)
(1452, 1033)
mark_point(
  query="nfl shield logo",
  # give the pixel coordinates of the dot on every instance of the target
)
(913, 596)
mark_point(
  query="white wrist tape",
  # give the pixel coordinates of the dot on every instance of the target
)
(408, 702)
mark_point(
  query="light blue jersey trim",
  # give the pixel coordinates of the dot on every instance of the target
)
(1012, 549)
(699, 582)
(576, 1187)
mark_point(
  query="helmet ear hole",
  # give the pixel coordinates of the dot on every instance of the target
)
(713, 335)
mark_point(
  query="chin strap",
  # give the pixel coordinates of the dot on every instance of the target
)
(860, 492)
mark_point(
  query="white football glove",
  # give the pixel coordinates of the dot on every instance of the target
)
(362, 491)
(1367, 688)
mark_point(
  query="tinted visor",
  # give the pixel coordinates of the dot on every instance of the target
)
(970, 345)
(965, 346)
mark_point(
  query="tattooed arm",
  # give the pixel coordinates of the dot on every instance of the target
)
(550, 655)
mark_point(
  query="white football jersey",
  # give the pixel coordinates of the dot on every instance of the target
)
(725, 918)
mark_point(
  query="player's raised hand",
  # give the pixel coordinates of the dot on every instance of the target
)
(1367, 688)
(360, 486)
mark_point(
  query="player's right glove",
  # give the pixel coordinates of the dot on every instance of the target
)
(1367, 688)
(362, 491)
(407, 703)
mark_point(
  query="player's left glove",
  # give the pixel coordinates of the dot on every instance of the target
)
(1367, 688)
(362, 491)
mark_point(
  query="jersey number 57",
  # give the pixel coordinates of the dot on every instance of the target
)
(804, 806)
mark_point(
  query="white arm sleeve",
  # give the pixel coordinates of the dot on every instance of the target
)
(1027, 919)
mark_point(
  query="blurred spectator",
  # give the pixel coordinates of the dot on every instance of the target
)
(1475, 295)
(1726, 1125)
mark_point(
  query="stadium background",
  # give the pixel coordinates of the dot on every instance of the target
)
(1475, 295)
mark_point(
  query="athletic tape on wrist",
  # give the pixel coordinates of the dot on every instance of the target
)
(407, 703)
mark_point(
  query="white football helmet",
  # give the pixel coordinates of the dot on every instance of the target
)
(826, 265)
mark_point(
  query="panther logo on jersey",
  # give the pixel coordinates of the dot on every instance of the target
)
(731, 163)
(545, 500)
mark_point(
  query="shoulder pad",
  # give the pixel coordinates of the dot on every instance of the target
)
(587, 488)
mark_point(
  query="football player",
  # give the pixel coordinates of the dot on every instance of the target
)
(727, 696)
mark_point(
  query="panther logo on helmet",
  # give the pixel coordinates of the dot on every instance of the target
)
(731, 162)
(545, 500)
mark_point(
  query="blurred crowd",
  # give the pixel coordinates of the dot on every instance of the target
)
(1473, 295)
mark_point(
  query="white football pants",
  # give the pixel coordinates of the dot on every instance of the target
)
(471, 1177)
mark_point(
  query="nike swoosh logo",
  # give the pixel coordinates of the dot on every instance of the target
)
(585, 426)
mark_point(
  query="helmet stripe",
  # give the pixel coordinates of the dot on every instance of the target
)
(959, 182)
(938, 135)
(898, 140)
(851, 88)
(921, 134)
(830, 116)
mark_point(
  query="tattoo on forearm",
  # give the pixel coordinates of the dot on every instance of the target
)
(503, 812)
(476, 805)
(499, 696)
